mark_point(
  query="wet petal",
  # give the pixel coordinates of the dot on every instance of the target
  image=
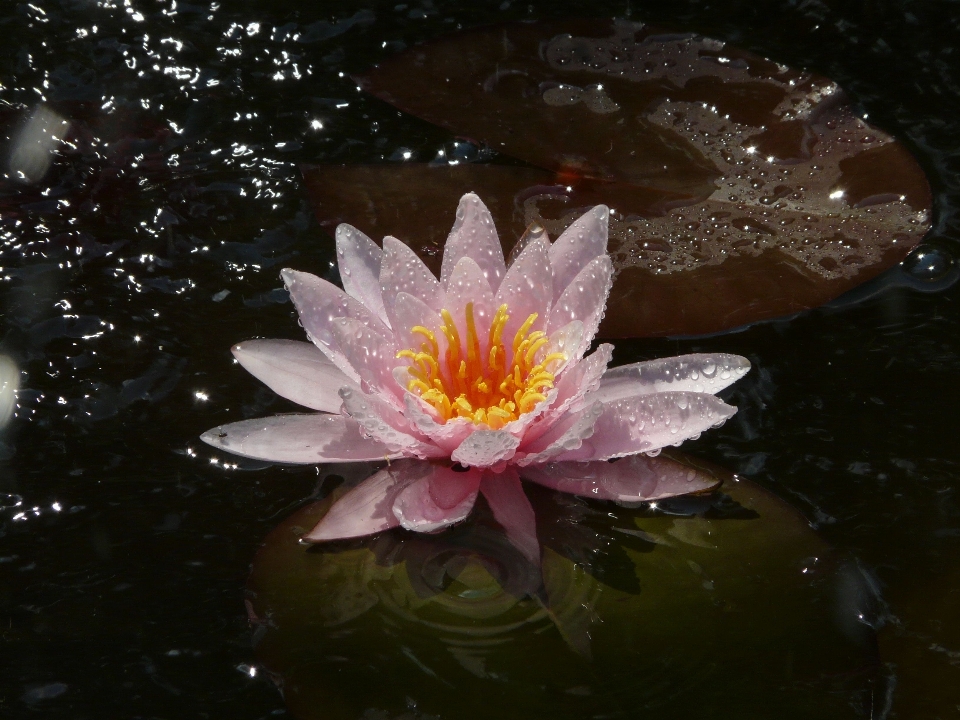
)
(575, 383)
(410, 312)
(468, 284)
(447, 436)
(485, 448)
(474, 236)
(370, 354)
(577, 246)
(381, 421)
(439, 499)
(533, 232)
(565, 435)
(647, 423)
(304, 439)
(359, 260)
(637, 478)
(364, 510)
(402, 271)
(319, 303)
(512, 509)
(298, 371)
(701, 373)
(585, 299)
(527, 288)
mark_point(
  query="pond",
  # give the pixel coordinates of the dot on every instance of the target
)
(148, 575)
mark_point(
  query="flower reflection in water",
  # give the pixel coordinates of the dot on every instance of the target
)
(621, 613)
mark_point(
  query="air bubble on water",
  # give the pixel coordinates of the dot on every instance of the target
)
(929, 263)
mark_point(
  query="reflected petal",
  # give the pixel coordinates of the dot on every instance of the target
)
(512, 509)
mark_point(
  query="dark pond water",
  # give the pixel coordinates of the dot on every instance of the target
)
(154, 242)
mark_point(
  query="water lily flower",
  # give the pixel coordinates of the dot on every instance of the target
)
(478, 379)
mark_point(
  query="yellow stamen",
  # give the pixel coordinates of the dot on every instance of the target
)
(460, 384)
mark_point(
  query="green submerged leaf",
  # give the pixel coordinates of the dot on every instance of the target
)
(730, 594)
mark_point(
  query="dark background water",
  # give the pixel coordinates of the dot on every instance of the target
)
(122, 567)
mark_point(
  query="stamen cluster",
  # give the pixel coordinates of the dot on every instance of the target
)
(489, 388)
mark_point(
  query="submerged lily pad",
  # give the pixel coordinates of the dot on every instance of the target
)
(628, 611)
(741, 189)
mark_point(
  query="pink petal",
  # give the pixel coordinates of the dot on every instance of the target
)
(408, 313)
(692, 373)
(359, 260)
(647, 423)
(527, 288)
(511, 508)
(447, 436)
(295, 370)
(402, 271)
(304, 439)
(439, 499)
(576, 382)
(565, 435)
(535, 231)
(569, 340)
(370, 354)
(583, 377)
(585, 299)
(319, 303)
(485, 448)
(382, 422)
(467, 284)
(579, 245)
(365, 509)
(474, 236)
(637, 478)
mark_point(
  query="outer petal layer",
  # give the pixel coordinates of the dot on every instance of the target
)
(637, 478)
(298, 371)
(303, 439)
(700, 373)
(647, 423)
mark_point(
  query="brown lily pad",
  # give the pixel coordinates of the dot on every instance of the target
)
(741, 189)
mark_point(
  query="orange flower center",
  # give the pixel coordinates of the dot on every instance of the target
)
(480, 386)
